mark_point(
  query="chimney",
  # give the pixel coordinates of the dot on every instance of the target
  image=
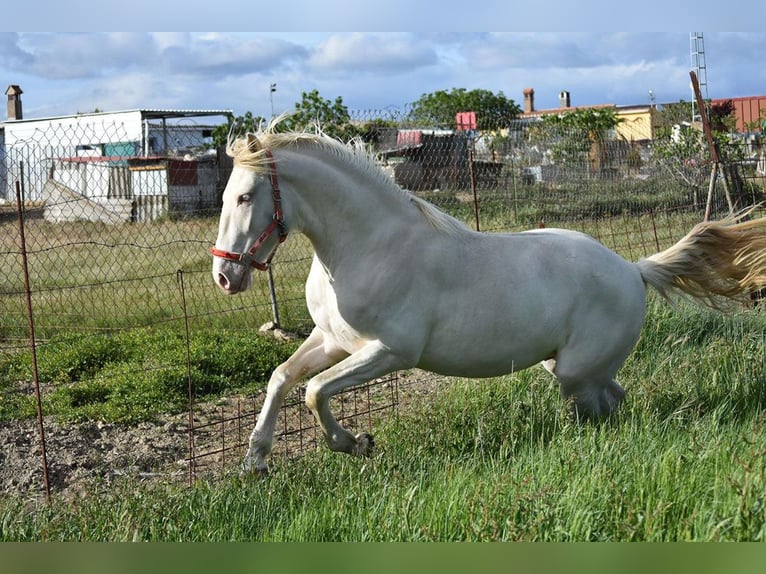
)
(14, 102)
(564, 101)
(529, 100)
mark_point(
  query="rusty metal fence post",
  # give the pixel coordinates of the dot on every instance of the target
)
(32, 339)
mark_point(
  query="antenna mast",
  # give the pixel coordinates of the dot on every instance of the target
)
(697, 49)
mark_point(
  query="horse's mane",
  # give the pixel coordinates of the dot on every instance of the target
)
(250, 151)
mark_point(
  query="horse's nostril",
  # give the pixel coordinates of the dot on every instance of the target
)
(223, 281)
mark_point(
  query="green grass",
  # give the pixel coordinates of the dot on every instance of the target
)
(137, 375)
(498, 459)
(90, 278)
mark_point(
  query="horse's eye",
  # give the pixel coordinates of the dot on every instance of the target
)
(244, 198)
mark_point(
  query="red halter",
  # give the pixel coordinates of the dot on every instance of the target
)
(277, 222)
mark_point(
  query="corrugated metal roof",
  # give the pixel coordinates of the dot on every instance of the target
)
(159, 114)
(149, 113)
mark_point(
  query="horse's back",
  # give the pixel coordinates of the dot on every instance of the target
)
(522, 297)
(553, 259)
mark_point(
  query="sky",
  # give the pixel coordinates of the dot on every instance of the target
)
(64, 73)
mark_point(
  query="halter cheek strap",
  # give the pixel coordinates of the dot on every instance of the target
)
(277, 224)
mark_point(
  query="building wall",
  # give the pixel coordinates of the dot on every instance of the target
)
(71, 131)
(637, 124)
(750, 112)
(92, 179)
(32, 146)
(87, 153)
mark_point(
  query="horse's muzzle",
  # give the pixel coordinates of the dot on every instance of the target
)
(232, 279)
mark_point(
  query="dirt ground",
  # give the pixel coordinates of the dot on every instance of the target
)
(89, 457)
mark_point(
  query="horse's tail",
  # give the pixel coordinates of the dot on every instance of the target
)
(716, 261)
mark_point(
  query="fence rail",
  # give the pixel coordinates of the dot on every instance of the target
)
(106, 235)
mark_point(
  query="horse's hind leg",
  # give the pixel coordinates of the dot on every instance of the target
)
(591, 394)
(586, 377)
(592, 399)
(599, 345)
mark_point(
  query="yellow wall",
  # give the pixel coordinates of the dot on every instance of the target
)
(636, 124)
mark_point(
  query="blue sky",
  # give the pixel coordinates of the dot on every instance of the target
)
(63, 72)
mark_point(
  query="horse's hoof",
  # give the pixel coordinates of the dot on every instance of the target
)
(364, 444)
(248, 469)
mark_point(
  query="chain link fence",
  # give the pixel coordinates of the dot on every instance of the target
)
(117, 227)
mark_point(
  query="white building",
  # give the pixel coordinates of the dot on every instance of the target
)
(133, 165)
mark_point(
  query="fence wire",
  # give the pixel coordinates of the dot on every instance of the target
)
(111, 217)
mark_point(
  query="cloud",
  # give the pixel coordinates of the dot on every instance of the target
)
(221, 55)
(372, 54)
(545, 51)
(527, 51)
(11, 54)
(130, 91)
(84, 55)
(95, 55)
(62, 73)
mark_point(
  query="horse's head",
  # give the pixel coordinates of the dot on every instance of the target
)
(251, 225)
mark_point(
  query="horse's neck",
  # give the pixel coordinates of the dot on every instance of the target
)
(339, 204)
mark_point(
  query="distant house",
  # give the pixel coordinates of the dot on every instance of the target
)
(750, 113)
(437, 159)
(637, 122)
(133, 165)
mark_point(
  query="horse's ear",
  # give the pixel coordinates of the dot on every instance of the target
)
(253, 145)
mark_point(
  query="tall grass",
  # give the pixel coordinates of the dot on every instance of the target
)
(498, 459)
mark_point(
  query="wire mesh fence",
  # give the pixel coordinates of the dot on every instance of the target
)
(220, 432)
(118, 223)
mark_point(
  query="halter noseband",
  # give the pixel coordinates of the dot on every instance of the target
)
(277, 223)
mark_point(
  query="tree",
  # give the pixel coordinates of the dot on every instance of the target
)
(331, 116)
(373, 131)
(676, 113)
(239, 125)
(313, 111)
(439, 109)
(577, 136)
(681, 149)
(682, 153)
(723, 117)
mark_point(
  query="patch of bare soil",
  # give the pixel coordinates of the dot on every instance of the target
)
(86, 455)
(86, 458)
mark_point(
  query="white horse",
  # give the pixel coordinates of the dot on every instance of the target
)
(395, 283)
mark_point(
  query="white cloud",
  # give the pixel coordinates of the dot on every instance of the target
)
(372, 53)
(167, 39)
(62, 73)
(221, 55)
(86, 55)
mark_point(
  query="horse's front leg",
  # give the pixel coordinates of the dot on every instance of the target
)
(372, 361)
(310, 358)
